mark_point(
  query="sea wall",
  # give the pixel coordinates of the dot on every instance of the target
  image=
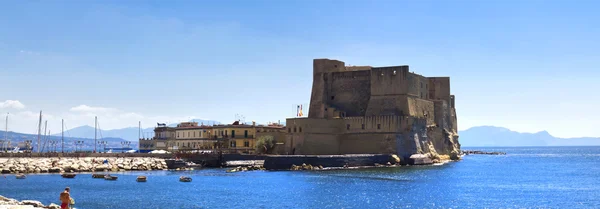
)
(285, 162)
(84, 164)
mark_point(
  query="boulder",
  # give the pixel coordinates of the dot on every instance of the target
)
(53, 206)
(34, 203)
(54, 170)
(420, 159)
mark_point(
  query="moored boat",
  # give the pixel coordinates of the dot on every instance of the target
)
(21, 176)
(68, 175)
(141, 179)
(185, 179)
(109, 177)
(98, 176)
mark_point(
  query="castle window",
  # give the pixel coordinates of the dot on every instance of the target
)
(290, 130)
(347, 126)
(299, 129)
(332, 97)
(294, 129)
(378, 126)
(245, 133)
(246, 144)
(363, 126)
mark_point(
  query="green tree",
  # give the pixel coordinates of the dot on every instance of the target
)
(265, 144)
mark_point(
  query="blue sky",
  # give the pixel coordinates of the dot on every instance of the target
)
(525, 65)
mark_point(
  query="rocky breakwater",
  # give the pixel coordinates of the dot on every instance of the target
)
(9, 203)
(477, 152)
(84, 164)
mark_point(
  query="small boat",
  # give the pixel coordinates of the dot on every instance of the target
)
(109, 177)
(68, 175)
(185, 179)
(21, 176)
(98, 176)
(141, 179)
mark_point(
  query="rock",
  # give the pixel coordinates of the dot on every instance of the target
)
(454, 155)
(420, 159)
(396, 159)
(53, 206)
(33, 203)
(54, 170)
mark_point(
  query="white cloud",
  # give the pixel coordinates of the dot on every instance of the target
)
(89, 109)
(13, 104)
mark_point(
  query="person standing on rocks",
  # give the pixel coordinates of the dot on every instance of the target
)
(65, 198)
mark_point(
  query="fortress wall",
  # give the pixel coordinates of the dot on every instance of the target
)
(421, 109)
(350, 92)
(417, 85)
(374, 124)
(439, 89)
(368, 143)
(318, 144)
(442, 114)
(321, 71)
(389, 80)
(387, 105)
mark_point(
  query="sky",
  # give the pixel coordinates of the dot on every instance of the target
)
(526, 65)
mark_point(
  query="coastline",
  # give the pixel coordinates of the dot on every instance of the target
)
(24, 165)
(9, 203)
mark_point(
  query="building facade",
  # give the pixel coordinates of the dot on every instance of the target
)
(375, 110)
(230, 138)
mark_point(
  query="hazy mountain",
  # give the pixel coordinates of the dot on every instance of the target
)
(486, 136)
(129, 134)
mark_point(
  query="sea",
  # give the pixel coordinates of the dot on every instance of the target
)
(526, 177)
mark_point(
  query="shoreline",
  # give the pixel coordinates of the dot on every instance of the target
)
(10, 203)
(24, 165)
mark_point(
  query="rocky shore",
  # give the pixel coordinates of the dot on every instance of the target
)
(84, 164)
(8, 203)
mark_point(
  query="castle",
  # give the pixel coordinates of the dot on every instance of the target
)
(375, 110)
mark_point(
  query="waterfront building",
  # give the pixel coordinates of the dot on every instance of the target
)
(230, 138)
(375, 110)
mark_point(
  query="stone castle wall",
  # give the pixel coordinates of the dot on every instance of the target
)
(375, 110)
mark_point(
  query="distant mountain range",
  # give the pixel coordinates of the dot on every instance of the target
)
(488, 136)
(129, 134)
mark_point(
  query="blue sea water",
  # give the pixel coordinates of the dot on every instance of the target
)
(527, 177)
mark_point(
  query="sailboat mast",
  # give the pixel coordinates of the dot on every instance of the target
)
(6, 134)
(62, 135)
(95, 131)
(45, 135)
(39, 132)
(139, 129)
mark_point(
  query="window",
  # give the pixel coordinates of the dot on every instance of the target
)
(232, 143)
(246, 144)
(421, 94)
(232, 133)
(332, 97)
(363, 126)
(245, 133)
(177, 135)
(294, 129)
(188, 144)
(378, 126)
(194, 134)
(347, 126)
(421, 84)
(299, 129)
(289, 130)
(188, 134)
